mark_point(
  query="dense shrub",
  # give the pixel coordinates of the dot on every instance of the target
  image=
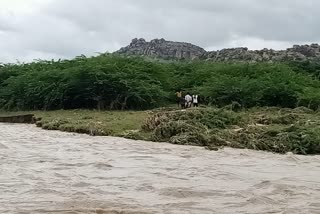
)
(311, 67)
(114, 82)
(258, 85)
(98, 82)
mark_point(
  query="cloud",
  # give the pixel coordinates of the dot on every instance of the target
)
(33, 29)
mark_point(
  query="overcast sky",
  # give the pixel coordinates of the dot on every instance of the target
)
(33, 29)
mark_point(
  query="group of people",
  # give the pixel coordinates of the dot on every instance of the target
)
(187, 100)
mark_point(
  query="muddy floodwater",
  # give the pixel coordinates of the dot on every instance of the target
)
(55, 172)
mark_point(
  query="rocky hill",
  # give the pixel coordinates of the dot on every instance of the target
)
(160, 48)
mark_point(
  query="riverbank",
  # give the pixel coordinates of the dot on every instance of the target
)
(276, 130)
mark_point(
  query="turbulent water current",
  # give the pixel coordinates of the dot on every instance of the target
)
(55, 172)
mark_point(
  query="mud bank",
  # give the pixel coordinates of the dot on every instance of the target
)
(55, 172)
(26, 118)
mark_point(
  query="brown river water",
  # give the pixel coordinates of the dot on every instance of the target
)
(55, 172)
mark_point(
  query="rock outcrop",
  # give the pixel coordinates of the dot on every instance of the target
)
(297, 53)
(160, 48)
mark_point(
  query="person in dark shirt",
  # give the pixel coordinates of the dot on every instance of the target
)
(178, 97)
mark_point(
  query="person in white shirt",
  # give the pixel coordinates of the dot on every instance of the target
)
(195, 100)
(188, 100)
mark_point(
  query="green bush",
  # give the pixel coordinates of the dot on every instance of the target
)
(114, 82)
(100, 82)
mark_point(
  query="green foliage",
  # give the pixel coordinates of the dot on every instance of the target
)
(311, 67)
(256, 85)
(99, 82)
(114, 82)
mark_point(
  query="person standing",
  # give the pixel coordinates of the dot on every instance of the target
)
(195, 100)
(188, 100)
(178, 97)
(182, 102)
